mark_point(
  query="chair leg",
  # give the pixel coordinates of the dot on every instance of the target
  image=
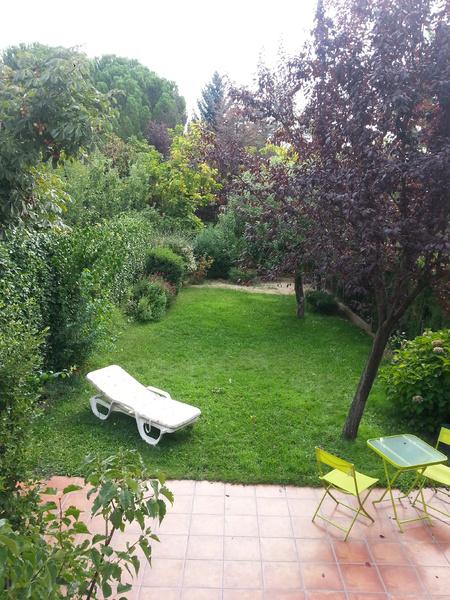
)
(98, 400)
(321, 502)
(144, 427)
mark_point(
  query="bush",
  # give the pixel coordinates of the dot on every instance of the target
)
(169, 290)
(184, 249)
(212, 242)
(418, 380)
(204, 263)
(163, 261)
(241, 276)
(322, 302)
(148, 300)
(50, 559)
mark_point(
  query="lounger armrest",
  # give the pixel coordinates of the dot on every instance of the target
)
(159, 392)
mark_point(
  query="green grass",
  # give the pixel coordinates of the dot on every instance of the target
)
(270, 388)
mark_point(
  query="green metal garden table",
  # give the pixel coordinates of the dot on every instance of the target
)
(404, 452)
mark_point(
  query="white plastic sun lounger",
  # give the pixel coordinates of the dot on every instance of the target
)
(151, 407)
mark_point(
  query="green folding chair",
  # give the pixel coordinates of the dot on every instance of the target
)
(435, 474)
(342, 478)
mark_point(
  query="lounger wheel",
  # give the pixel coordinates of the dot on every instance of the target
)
(98, 401)
(145, 427)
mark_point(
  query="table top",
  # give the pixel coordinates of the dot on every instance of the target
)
(406, 451)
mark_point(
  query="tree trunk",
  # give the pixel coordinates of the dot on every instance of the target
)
(365, 383)
(299, 294)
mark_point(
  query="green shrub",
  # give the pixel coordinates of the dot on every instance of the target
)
(148, 300)
(50, 559)
(418, 380)
(163, 261)
(212, 242)
(181, 245)
(241, 276)
(322, 302)
(169, 290)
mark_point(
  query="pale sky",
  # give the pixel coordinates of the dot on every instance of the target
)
(184, 41)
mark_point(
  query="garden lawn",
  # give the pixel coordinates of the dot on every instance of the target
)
(270, 388)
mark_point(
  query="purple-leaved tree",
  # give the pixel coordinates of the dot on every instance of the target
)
(366, 105)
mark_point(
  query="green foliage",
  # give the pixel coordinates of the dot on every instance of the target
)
(48, 107)
(164, 262)
(418, 380)
(148, 300)
(213, 242)
(20, 364)
(52, 560)
(141, 96)
(241, 276)
(173, 189)
(181, 244)
(322, 302)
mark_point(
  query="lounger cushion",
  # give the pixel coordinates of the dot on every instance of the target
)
(121, 388)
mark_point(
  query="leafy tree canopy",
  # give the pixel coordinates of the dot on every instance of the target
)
(48, 108)
(141, 95)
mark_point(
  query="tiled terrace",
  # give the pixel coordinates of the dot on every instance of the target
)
(229, 542)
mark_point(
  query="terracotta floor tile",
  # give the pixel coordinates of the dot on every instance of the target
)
(270, 491)
(61, 481)
(205, 546)
(399, 579)
(181, 487)
(409, 597)
(243, 595)
(352, 551)
(303, 527)
(164, 572)
(283, 549)
(284, 595)
(275, 526)
(242, 574)
(361, 578)
(314, 551)
(208, 505)
(358, 596)
(259, 542)
(272, 506)
(440, 532)
(177, 524)
(436, 579)
(170, 546)
(203, 573)
(241, 525)
(240, 505)
(199, 594)
(236, 490)
(181, 504)
(157, 593)
(413, 532)
(425, 554)
(282, 576)
(241, 548)
(207, 525)
(302, 507)
(385, 552)
(302, 492)
(324, 595)
(209, 488)
(321, 577)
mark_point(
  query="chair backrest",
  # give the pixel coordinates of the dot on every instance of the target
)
(444, 436)
(326, 458)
